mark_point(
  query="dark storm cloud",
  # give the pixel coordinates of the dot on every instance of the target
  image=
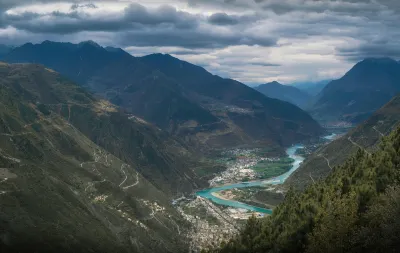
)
(137, 13)
(135, 16)
(89, 5)
(285, 6)
(265, 64)
(139, 26)
(344, 7)
(192, 39)
(254, 22)
(223, 19)
(6, 4)
(379, 48)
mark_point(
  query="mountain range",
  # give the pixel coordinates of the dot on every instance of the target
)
(95, 144)
(365, 88)
(70, 181)
(312, 88)
(205, 110)
(287, 93)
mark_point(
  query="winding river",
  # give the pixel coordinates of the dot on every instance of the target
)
(291, 152)
(330, 137)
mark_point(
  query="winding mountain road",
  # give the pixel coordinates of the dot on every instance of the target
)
(126, 177)
(134, 184)
(379, 132)
(327, 160)
(356, 144)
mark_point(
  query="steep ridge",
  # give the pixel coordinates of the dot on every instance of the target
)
(286, 93)
(355, 209)
(365, 88)
(365, 136)
(258, 116)
(77, 175)
(77, 61)
(179, 97)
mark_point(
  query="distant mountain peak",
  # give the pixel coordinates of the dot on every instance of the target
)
(49, 42)
(27, 44)
(113, 49)
(372, 82)
(286, 93)
(46, 42)
(161, 56)
(275, 83)
(379, 60)
(91, 43)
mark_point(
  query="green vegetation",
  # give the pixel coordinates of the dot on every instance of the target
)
(355, 209)
(268, 169)
(71, 182)
(367, 135)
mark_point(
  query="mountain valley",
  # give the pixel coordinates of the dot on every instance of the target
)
(69, 180)
(136, 159)
(199, 126)
(205, 110)
(286, 93)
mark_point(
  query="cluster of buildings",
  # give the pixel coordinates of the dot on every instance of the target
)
(240, 170)
(206, 234)
(338, 124)
(243, 214)
(236, 173)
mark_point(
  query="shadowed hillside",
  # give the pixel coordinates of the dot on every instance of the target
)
(286, 93)
(365, 88)
(355, 209)
(78, 175)
(181, 98)
(366, 136)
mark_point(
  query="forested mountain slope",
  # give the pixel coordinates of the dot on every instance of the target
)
(77, 175)
(367, 135)
(355, 209)
(187, 101)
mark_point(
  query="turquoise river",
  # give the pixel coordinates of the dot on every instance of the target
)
(291, 152)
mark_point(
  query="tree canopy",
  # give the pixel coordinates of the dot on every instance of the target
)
(355, 209)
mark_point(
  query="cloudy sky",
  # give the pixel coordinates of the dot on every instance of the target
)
(253, 41)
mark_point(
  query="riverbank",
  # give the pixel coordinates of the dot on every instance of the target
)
(213, 195)
(231, 204)
(220, 196)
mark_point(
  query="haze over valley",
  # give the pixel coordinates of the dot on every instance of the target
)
(199, 126)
